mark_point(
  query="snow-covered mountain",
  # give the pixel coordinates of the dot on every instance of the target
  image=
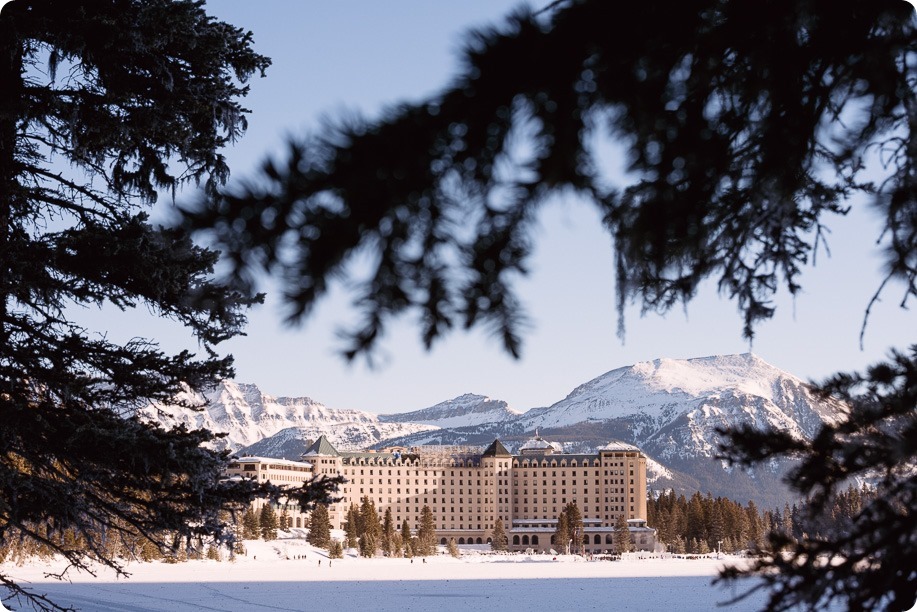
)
(463, 411)
(247, 415)
(670, 408)
(675, 404)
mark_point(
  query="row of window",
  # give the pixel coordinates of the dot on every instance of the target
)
(470, 541)
(436, 482)
(525, 540)
(563, 483)
(554, 511)
(477, 464)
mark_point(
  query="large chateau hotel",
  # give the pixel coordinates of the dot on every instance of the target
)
(468, 489)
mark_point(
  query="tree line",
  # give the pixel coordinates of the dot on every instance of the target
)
(116, 540)
(701, 524)
(363, 529)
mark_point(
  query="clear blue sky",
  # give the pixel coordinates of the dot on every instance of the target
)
(331, 57)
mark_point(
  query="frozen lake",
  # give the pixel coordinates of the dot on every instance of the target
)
(275, 576)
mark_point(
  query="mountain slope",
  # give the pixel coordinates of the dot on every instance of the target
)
(247, 415)
(463, 411)
(671, 409)
(654, 393)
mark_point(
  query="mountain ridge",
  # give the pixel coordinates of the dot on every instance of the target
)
(466, 409)
(670, 408)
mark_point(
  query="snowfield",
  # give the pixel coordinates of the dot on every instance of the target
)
(288, 574)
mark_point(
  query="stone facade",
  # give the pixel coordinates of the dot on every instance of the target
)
(279, 472)
(467, 490)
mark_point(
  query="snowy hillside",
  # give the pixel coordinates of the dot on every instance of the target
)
(670, 408)
(247, 415)
(656, 392)
(463, 411)
(292, 442)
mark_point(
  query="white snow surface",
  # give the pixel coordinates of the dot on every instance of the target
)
(655, 471)
(246, 415)
(288, 574)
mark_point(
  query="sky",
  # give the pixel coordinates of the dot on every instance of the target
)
(333, 58)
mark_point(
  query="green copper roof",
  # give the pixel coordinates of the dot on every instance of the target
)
(321, 447)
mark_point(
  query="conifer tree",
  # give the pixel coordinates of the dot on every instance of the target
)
(696, 518)
(562, 533)
(426, 535)
(786, 521)
(368, 545)
(319, 527)
(369, 522)
(251, 528)
(407, 540)
(575, 526)
(235, 520)
(453, 548)
(149, 551)
(335, 550)
(622, 535)
(352, 527)
(680, 546)
(717, 522)
(397, 545)
(739, 533)
(267, 522)
(388, 533)
(499, 539)
(104, 105)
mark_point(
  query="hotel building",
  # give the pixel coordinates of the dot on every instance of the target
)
(467, 490)
(276, 471)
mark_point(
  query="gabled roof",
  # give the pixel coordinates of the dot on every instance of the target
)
(538, 443)
(321, 447)
(496, 449)
(618, 445)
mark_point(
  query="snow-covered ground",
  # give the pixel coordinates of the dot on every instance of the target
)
(288, 574)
